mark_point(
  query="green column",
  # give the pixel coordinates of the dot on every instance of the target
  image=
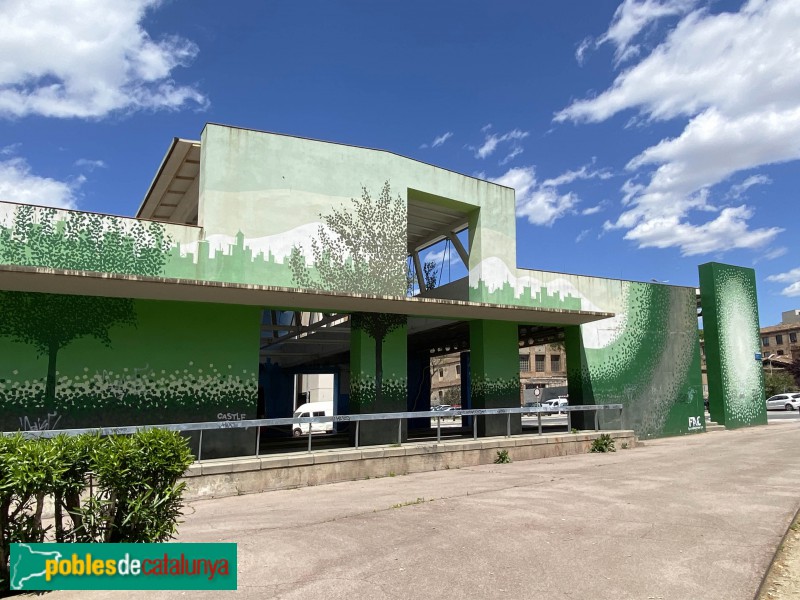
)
(732, 340)
(494, 373)
(378, 373)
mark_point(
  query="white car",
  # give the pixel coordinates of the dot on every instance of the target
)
(790, 401)
(554, 405)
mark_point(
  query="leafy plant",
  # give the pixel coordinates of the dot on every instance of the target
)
(605, 443)
(502, 458)
(574, 430)
(134, 496)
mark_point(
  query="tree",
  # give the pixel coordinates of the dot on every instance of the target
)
(794, 369)
(362, 251)
(50, 322)
(777, 382)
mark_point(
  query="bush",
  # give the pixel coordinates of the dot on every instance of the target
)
(604, 443)
(502, 458)
(132, 496)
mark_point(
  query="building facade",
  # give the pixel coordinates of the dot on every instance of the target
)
(257, 257)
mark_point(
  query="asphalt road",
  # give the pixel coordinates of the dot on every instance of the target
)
(683, 518)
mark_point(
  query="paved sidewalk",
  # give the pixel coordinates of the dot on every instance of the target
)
(697, 517)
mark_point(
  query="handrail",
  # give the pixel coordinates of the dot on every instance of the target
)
(538, 411)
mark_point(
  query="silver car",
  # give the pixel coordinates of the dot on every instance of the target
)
(789, 401)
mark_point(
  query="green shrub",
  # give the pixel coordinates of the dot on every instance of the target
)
(133, 495)
(502, 457)
(604, 443)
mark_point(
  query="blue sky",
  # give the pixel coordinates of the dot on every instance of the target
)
(643, 137)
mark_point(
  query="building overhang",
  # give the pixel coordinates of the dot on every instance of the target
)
(87, 283)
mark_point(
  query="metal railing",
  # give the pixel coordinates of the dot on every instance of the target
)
(357, 419)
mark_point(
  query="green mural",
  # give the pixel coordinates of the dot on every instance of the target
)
(83, 241)
(50, 322)
(732, 340)
(130, 362)
(359, 251)
(370, 389)
(647, 358)
(494, 373)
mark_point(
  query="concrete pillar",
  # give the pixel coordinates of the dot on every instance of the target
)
(378, 373)
(579, 385)
(494, 373)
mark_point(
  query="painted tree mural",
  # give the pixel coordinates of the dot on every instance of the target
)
(361, 251)
(377, 326)
(50, 322)
(44, 237)
(41, 237)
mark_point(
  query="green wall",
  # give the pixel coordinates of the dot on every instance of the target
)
(494, 373)
(647, 358)
(732, 340)
(124, 362)
(378, 373)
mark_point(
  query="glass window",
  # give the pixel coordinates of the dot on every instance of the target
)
(765, 341)
(441, 373)
(319, 413)
(780, 352)
(540, 363)
(458, 369)
(555, 362)
(524, 363)
(793, 338)
(778, 339)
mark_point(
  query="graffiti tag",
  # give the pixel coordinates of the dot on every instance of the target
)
(50, 422)
(695, 423)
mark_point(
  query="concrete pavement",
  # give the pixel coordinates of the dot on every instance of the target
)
(696, 517)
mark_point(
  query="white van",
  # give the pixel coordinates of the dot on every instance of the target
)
(554, 405)
(313, 409)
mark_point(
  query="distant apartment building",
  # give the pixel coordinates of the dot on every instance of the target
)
(542, 366)
(782, 340)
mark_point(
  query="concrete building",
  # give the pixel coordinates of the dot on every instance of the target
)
(257, 257)
(782, 340)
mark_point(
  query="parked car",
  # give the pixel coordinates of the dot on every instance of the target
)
(788, 401)
(531, 405)
(554, 405)
(441, 408)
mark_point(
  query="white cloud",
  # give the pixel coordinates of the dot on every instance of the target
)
(727, 231)
(493, 140)
(89, 164)
(735, 80)
(88, 59)
(632, 17)
(792, 278)
(582, 236)
(515, 151)
(593, 210)
(540, 202)
(19, 184)
(776, 253)
(583, 173)
(740, 189)
(438, 257)
(439, 140)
